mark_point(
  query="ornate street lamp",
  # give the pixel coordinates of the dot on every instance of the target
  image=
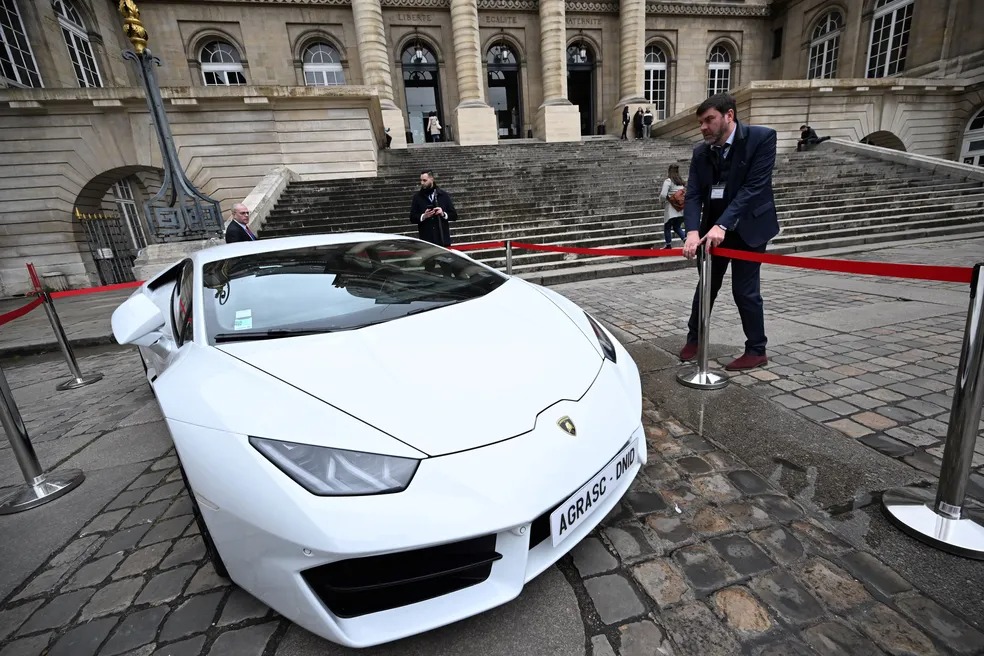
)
(178, 211)
(504, 48)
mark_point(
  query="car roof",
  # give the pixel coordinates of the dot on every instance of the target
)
(238, 249)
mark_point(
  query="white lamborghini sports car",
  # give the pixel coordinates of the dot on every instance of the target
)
(381, 436)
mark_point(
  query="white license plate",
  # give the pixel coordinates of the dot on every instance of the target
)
(585, 501)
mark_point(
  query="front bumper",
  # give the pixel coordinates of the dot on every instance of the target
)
(476, 517)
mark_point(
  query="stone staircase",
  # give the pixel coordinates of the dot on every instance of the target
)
(602, 193)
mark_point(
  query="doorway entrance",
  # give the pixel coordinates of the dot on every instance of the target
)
(504, 91)
(580, 83)
(422, 88)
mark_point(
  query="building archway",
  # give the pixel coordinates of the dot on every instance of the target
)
(108, 215)
(421, 88)
(505, 90)
(581, 81)
(885, 139)
(972, 150)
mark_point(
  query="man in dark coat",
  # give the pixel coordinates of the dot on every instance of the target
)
(432, 209)
(238, 228)
(729, 203)
(808, 137)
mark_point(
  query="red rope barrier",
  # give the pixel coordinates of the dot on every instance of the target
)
(578, 250)
(478, 246)
(881, 269)
(96, 290)
(19, 312)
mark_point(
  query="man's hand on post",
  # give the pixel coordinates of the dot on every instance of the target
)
(714, 236)
(690, 246)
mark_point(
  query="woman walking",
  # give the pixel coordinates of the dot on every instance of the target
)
(671, 197)
(434, 127)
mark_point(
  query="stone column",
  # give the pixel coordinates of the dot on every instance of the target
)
(374, 55)
(632, 33)
(556, 119)
(474, 120)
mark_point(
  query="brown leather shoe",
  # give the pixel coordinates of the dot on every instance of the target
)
(688, 352)
(748, 361)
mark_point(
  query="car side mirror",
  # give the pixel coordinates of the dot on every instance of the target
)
(138, 321)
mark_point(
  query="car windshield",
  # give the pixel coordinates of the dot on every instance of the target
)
(334, 287)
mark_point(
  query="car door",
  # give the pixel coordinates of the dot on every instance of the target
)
(174, 297)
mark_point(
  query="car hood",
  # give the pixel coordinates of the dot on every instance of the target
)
(448, 380)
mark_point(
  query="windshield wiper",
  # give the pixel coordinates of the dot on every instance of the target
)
(271, 334)
(428, 309)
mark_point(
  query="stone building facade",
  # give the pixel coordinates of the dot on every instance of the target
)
(311, 86)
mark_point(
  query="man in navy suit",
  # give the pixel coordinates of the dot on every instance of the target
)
(729, 203)
(238, 228)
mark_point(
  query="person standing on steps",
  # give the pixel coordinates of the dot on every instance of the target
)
(434, 127)
(625, 121)
(729, 203)
(637, 124)
(647, 123)
(671, 197)
(238, 228)
(431, 209)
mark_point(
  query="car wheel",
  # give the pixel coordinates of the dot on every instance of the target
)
(210, 549)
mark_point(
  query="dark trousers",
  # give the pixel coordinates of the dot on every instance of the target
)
(745, 289)
(625, 127)
(673, 225)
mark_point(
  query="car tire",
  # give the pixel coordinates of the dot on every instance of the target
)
(213, 553)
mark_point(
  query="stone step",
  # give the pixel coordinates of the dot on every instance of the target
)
(603, 193)
(524, 215)
(505, 205)
(475, 181)
(404, 189)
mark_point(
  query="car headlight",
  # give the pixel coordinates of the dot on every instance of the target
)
(606, 344)
(337, 472)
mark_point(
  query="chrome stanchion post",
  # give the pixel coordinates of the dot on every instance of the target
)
(508, 257)
(699, 376)
(40, 487)
(77, 380)
(947, 520)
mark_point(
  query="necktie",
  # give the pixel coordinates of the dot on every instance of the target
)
(248, 231)
(716, 161)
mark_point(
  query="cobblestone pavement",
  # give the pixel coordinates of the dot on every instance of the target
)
(873, 358)
(704, 556)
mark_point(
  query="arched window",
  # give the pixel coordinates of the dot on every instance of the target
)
(889, 37)
(825, 46)
(655, 80)
(221, 64)
(419, 55)
(718, 71)
(17, 65)
(322, 66)
(972, 151)
(77, 40)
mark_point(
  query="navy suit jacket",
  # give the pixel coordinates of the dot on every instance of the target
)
(235, 232)
(751, 206)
